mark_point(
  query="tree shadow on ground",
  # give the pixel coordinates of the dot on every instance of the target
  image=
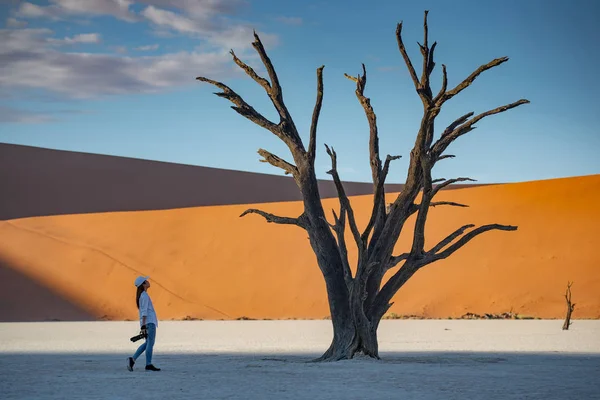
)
(425, 375)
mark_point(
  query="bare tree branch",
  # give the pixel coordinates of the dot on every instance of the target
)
(414, 181)
(379, 213)
(450, 182)
(407, 61)
(442, 143)
(312, 145)
(381, 303)
(352, 78)
(339, 228)
(278, 162)
(444, 84)
(428, 63)
(432, 257)
(450, 238)
(243, 108)
(467, 82)
(378, 174)
(496, 110)
(442, 157)
(285, 129)
(251, 73)
(332, 226)
(422, 87)
(365, 102)
(415, 207)
(425, 50)
(344, 201)
(395, 260)
(447, 203)
(382, 300)
(456, 123)
(275, 92)
(386, 165)
(419, 229)
(276, 219)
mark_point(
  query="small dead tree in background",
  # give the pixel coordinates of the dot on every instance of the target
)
(570, 307)
(358, 301)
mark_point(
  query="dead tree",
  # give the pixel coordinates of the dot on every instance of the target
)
(358, 297)
(570, 307)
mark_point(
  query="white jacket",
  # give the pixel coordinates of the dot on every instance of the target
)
(147, 310)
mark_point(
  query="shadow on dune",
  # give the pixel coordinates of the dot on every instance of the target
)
(432, 375)
(24, 300)
(42, 182)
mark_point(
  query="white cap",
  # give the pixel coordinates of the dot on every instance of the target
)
(140, 279)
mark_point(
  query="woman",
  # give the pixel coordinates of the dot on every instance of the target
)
(148, 321)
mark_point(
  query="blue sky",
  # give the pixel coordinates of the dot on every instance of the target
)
(117, 77)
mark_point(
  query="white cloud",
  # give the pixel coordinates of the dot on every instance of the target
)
(150, 47)
(172, 20)
(29, 10)
(27, 61)
(60, 9)
(23, 40)
(241, 37)
(201, 21)
(15, 23)
(81, 38)
(199, 9)
(32, 59)
(290, 20)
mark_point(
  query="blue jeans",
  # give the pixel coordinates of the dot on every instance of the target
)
(148, 345)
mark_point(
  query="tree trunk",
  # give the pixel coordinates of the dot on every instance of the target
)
(351, 339)
(325, 248)
(567, 322)
(353, 331)
(570, 307)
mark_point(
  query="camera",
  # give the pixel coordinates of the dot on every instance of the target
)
(138, 337)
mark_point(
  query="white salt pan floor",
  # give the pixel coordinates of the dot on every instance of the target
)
(433, 359)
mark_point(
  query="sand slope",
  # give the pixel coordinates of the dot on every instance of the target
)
(208, 263)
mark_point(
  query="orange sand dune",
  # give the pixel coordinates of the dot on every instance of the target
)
(208, 263)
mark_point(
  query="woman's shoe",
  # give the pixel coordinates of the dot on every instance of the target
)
(130, 363)
(152, 368)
